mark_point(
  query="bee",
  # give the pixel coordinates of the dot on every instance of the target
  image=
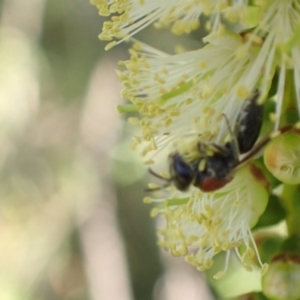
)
(217, 162)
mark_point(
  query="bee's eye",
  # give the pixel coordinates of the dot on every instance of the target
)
(182, 172)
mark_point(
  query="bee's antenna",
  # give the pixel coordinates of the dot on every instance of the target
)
(157, 175)
(168, 182)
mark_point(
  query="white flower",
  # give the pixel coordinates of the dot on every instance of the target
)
(205, 224)
(186, 94)
(279, 27)
(131, 16)
(181, 98)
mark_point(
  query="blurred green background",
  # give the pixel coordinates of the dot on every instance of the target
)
(72, 221)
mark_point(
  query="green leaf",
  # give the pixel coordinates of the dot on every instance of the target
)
(273, 214)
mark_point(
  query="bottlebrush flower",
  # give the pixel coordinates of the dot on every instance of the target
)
(200, 225)
(182, 100)
(131, 16)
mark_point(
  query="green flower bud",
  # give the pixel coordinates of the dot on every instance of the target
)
(282, 280)
(291, 245)
(268, 244)
(282, 157)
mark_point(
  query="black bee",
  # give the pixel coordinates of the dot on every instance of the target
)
(217, 163)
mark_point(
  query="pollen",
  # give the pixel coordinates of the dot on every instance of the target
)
(202, 65)
(154, 212)
(135, 141)
(264, 269)
(202, 165)
(219, 275)
(242, 92)
(174, 112)
(147, 200)
(149, 162)
(254, 39)
(133, 121)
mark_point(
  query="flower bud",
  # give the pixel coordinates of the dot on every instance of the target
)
(282, 157)
(282, 280)
(268, 244)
